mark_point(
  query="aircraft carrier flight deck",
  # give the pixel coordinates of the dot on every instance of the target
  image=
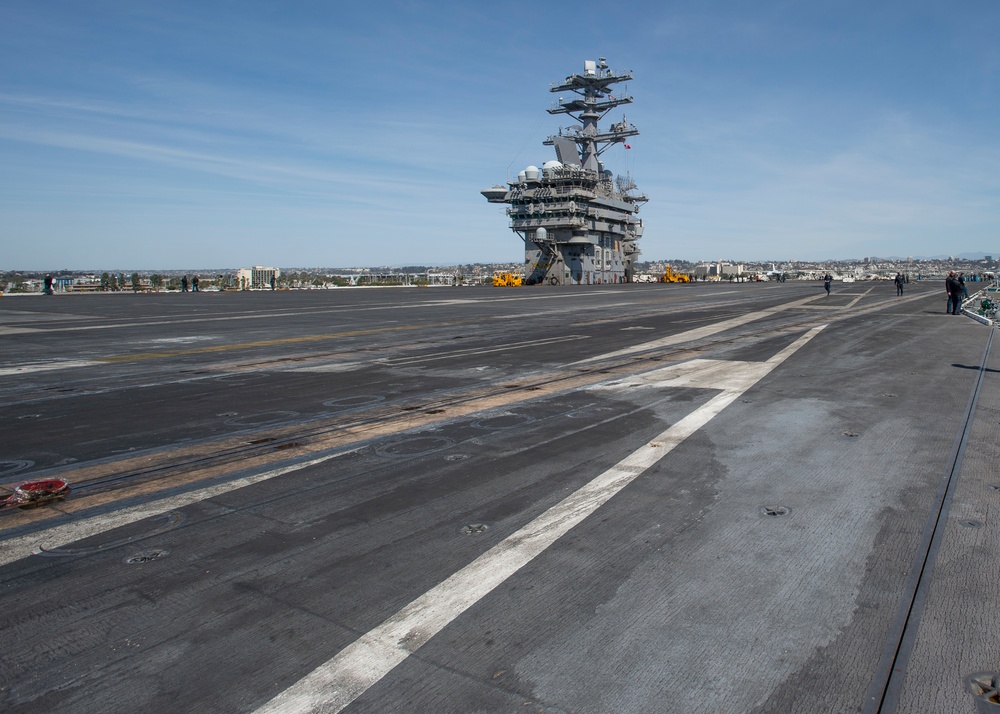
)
(588, 499)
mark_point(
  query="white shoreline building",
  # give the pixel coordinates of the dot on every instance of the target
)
(257, 278)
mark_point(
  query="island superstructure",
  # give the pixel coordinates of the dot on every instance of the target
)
(577, 219)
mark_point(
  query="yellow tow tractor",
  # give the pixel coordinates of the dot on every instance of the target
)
(506, 279)
(671, 277)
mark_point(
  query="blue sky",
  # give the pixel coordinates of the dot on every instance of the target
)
(140, 134)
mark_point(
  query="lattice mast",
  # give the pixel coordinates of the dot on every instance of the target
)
(593, 88)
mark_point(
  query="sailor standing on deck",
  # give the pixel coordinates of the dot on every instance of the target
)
(899, 283)
(827, 282)
(954, 289)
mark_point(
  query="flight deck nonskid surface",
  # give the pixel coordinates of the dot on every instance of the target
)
(612, 498)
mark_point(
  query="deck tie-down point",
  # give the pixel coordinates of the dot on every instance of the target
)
(984, 687)
(775, 511)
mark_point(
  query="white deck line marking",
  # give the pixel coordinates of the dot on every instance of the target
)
(697, 333)
(334, 685)
(854, 302)
(4, 330)
(848, 306)
(45, 366)
(699, 373)
(402, 361)
(57, 536)
(406, 361)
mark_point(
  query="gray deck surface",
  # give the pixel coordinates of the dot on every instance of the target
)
(295, 469)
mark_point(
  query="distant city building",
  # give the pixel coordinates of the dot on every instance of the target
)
(257, 278)
(717, 270)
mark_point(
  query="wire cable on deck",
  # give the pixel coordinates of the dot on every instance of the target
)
(883, 693)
